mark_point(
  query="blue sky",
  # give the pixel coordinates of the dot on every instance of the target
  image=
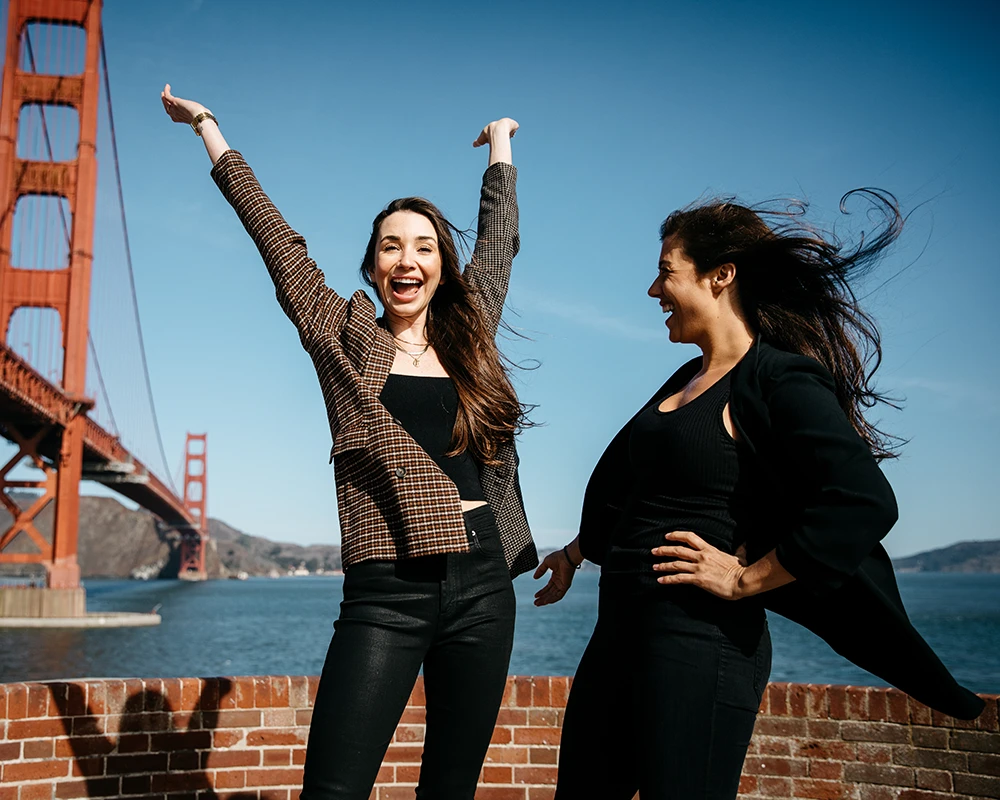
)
(627, 111)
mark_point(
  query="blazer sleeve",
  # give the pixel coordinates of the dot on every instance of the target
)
(497, 241)
(847, 505)
(299, 284)
(605, 496)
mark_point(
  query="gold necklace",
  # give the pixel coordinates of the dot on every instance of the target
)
(415, 356)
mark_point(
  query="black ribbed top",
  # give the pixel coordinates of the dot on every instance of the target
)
(426, 407)
(686, 468)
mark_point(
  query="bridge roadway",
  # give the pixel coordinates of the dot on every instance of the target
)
(30, 402)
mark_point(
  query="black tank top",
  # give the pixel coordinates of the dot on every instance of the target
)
(426, 407)
(685, 468)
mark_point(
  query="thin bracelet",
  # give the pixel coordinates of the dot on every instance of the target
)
(570, 560)
(200, 118)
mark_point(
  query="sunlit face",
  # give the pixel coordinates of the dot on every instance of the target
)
(407, 264)
(684, 295)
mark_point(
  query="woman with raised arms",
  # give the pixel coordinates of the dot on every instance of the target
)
(423, 418)
(750, 480)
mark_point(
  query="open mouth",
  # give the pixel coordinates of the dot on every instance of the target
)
(404, 289)
(667, 309)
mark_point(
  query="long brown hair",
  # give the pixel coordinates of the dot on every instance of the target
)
(489, 413)
(794, 285)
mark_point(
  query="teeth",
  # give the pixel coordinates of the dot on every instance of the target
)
(407, 281)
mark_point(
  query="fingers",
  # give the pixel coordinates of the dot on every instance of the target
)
(688, 537)
(495, 127)
(542, 569)
(668, 551)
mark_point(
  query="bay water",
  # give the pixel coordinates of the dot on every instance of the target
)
(283, 626)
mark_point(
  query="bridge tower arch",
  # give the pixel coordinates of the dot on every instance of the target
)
(65, 289)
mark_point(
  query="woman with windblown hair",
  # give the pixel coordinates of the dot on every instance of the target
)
(423, 418)
(750, 480)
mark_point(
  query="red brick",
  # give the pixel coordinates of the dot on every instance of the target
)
(10, 751)
(989, 720)
(493, 774)
(771, 746)
(512, 716)
(774, 787)
(840, 751)
(535, 775)
(781, 726)
(897, 707)
(115, 696)
(277, 757)
(871, 753)
(37, 728)
(152, 695)
(543, 755)
(541, 793)
(777, 699)
(536, 736)
(238, 719)
(984, 764)
(414, 716)
(17, 701)
(931, 759)
(303, 716)
(498, 793)
(543, 717)
(820, 790)
(136, 764)
(502, 736)
(190, 693)
(826, 770)
(929, 737)
(38, 748)
(298, 692)
(507, 755)
(184, 761)
(100, 787)
(279, 717)
(827, 729)
(133, 743)
(409, 733)
(279, 692)
(402, 754)
(559, 689)
(265, 738)
(540, 694)
(879, 773)
(36, 791)
(920, 794)
(186, 740)
(978, 785)
(869, 792)
(226, 738)
(136, 784)
(773, 765)
(187, 782)
(34, 770)
(38, 700)
(88, 767)
(935, 779)
(919, 713)
(274, 777)
(262, 692)
(230, 779)
(8, 792)
(417, 696)
(244, 691)
(521, 696)
(402, 773)
(857, 702)
(219, 759)
(884, 732)
(837, 700)
(973, 741)
(398, 793)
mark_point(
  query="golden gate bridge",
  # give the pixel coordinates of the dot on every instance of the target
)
(75, 395)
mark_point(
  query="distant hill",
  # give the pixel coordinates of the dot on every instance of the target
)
(117, 542)
(959, 557)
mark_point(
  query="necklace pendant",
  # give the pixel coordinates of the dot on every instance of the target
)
(416, 362)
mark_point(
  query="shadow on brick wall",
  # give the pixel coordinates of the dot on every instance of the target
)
(149, 755)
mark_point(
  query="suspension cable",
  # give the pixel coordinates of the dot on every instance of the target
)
(131, 273)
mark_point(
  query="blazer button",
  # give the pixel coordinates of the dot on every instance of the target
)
(400, 472)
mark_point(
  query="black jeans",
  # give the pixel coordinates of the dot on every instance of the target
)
(454, 614)
(665, 697)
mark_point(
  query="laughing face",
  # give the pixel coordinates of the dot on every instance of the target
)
(684, 295)
(407, 265)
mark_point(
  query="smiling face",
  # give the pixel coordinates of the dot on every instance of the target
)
(407, 264)
(684, 294)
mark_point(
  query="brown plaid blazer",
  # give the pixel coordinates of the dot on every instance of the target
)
(394, 501)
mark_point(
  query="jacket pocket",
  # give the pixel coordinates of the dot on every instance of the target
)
(354, 437)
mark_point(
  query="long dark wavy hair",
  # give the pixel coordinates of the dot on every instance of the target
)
(489, 413)
(793, 282)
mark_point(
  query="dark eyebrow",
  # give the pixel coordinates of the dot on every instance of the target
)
(393, 238)
(665, 262)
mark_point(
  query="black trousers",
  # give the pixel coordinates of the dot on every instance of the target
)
(665, 697)
(454, 614)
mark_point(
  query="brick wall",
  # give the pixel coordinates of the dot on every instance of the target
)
(244, 738)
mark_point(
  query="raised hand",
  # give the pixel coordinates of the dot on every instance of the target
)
(179, 109)
(498, 135)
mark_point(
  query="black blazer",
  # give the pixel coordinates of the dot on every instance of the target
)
(820, 501)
